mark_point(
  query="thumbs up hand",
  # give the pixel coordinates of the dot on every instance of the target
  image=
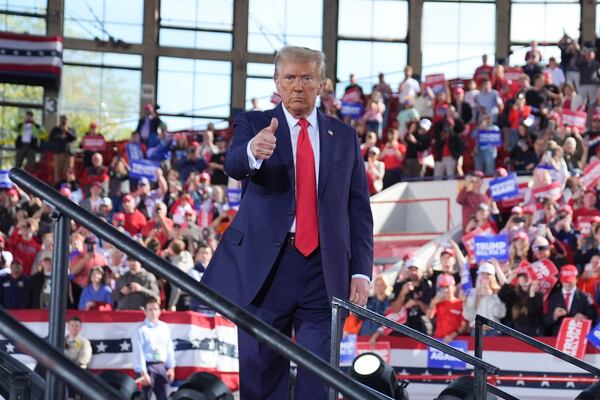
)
(263, 144)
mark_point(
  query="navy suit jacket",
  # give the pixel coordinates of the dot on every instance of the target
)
(579, 304)
(250, 246)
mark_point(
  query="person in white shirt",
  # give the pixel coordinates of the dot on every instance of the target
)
(409, 87)
(557, 74)
(154, 353)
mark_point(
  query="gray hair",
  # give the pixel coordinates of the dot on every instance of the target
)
(298, 54)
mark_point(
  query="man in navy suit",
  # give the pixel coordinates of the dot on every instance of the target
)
(567, 302)
(304, 230)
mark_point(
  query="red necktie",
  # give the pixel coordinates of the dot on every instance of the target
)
(307, 225)
(567, 298)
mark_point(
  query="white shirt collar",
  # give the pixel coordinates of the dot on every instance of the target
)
(293, 121)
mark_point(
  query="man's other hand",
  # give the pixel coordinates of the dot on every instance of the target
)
(359, 291)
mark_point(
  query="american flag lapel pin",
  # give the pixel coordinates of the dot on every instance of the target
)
(330, 132)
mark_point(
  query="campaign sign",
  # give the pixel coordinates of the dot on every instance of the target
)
(576, 119)
(134, 151)
(519, 198)
(591, 174)
(93, 143)
(143, 169)
(491, 247)
(594, 336)
(234, 196)
(353, 110)
(512, 73)
(468, 238)
(352, 95)
(437, 82)
(584, 224)
(489, 137)
(439, 359)
(544, 271)
(5, 182)
(552, 191)
(572, 336)
(347, 349)
(504, 187)
(382, 349)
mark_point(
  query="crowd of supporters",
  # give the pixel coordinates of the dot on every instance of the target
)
(168, 191)
(165, 190)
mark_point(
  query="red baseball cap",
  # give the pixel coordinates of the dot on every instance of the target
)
(449, 250)
(446, 280)
(517, 210)
(459, 90)
(127, 198)
(566, 208)
(521, 235)
(568, 273)
(119, 216)
(12, 192)
(596, 117)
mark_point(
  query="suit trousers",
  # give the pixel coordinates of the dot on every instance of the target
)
(160, 382)
(293, 297)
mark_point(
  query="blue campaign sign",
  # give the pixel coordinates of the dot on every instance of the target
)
(354, 110)
(234, 196)
(489, 137)
(143, 169)
(488, 247)
(505, 187)
(594, 336)
(134, 151)
(347, 349)
(439, 359)
(5, 182)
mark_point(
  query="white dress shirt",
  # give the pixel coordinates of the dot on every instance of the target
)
(313, 134)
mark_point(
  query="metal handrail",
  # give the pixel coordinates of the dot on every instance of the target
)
(155, 264)
(480, 320)
(482, 368)
(28, 342)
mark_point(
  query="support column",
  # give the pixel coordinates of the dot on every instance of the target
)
(59, 282)
(415, 27)
(150, 54)
(502, 29)
(588, 21)
(240, 56)
(330, 37)
(54, 27)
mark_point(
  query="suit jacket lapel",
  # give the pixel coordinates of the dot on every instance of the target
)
(283, 146)
(326, 143)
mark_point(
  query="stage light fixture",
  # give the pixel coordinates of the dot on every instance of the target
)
(122, 382)
(591, 393)
(202, 386)
(462, 388)
(370, 370)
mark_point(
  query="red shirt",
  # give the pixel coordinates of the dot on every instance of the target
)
(390, 158)
(25, 250)
(83, 276)
(584, 212)
(448, 314)
(446, 149)
(134, 222)
(161, 235)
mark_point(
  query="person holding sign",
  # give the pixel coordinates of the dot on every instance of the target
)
(488, 137)
(524, 301)
(567, 302)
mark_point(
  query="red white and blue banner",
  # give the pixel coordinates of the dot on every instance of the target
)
(202, 342)
(30, 60)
